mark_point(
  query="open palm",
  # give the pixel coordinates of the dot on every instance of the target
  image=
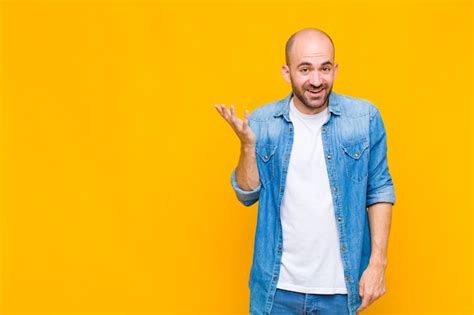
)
(240, 126)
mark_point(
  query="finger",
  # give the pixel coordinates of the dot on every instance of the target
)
(233, 117)
(225, 112)
(370, 299)
(218, 108)
(227, 116)
(365, 302)
(361, 294)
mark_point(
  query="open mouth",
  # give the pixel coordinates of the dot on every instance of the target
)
(316, 92)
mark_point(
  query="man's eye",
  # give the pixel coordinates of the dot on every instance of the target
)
(326, 69)
(304, 70)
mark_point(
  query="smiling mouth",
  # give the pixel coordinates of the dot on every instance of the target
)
(316, 91)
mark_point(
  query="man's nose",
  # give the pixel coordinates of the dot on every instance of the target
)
(315, 78)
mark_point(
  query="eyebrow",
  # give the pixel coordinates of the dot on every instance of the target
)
(306, 63)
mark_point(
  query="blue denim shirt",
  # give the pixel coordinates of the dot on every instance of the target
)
(354, 144)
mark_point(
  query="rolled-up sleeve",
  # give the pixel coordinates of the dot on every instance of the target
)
(246, 197)
(379, 184)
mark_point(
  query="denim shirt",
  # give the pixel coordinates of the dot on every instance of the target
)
(354, 145)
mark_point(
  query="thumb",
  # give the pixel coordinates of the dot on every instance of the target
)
(246, 119)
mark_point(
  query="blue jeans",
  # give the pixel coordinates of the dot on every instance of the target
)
(297, 303)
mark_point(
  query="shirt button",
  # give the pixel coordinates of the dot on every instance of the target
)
(324, 129)
(279, 247)
(339, 218)
(334, 188)
(265, 157)
(282, 190)
(275, 278)
(356, 155)
(329, 157)
(344, 248)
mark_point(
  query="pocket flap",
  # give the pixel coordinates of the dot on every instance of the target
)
(266, 151)
(355, 150)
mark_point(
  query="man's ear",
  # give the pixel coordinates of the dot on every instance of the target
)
(336, 67)
(285, 71)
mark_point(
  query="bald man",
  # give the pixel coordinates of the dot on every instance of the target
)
(316, 163)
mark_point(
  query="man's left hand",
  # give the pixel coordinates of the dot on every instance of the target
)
(371, 285)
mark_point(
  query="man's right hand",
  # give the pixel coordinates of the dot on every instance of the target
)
(240, 126)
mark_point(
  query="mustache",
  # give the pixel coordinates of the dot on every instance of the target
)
(312, 87)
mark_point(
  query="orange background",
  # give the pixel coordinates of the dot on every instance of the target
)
(115, 166)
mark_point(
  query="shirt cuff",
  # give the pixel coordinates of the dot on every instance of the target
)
(384, 194)
(245, 196)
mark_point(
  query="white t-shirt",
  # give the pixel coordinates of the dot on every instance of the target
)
(311, 261)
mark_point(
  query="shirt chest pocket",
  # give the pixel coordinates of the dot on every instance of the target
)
(266, 162)
(356, 159)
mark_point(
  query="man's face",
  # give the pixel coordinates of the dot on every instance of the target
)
(311, 72)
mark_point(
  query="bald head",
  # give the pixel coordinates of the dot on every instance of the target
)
(304, 36)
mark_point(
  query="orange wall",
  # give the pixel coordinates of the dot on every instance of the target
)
(115, 166)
